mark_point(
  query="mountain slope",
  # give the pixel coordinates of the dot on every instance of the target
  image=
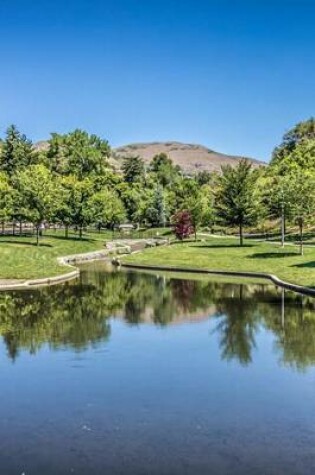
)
(191, 158)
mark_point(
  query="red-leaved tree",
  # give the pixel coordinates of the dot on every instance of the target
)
(182, 224)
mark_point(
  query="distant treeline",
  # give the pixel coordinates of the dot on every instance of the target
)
(72, 182)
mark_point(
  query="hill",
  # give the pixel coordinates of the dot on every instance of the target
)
(191, 158)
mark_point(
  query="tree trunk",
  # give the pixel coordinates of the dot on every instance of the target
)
(80, 232)
(13, 228)
(301, 238)
(3, 224)
(282, 230)
(66, 231)
(37, 235)
(20, 228)
(241, 235)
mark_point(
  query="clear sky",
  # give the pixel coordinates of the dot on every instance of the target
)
(233, 75)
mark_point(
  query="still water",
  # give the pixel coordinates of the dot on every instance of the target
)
(138, 373)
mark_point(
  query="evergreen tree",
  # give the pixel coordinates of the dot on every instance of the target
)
(6, 199)
(16, 151)
(236, 199)
(157, 213)
(133, 169)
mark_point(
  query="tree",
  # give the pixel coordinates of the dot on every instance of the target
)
(303, 131)
(16, 151)
(182, 224)
(275, 196)
(163, 169)
(198, 200)
(204, 177)
(105, 208)
(157, 213)
(6, 198)
(236, 199)
(133, 169)
(302, 157)
(74, 208)
(78, 153)
(301, 188)
(40, 192)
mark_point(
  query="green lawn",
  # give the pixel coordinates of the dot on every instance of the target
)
(20, 258)
(225, 254)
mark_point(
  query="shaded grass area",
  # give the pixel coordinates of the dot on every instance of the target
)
(223, 254)
(20, 258)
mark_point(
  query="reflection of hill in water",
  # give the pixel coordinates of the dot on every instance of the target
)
(77, 314)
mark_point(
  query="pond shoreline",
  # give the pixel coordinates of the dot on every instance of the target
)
(259, 275)
(71, 261)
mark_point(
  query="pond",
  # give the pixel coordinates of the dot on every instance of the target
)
(123, 372)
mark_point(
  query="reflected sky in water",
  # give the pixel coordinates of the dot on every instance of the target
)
(137, 373)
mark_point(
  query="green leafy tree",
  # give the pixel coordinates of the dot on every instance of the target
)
(79, 154)
(40, 194)
(301, 187)
(105, 208)
(302, 157)
(74, 207)
(236, 199)
(276, 199)
(163, 169)
(16, 151)
(6, 198)
(302, 132)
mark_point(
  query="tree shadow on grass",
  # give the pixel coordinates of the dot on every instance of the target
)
(24, 243)
(306, 265)
(70, 238)
(223, 246)
(272, 255)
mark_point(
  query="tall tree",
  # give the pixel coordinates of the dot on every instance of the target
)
(133, 169)
(16, 151)
(74, 207)
(105, 208)
(301, 188)
(6, 199)
(157, 213)
(236, 199)
(78, 153)
(303, 131)
(276, 199)
(163, 169)
(40, 194)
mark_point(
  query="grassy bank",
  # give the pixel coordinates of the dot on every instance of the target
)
(225, 254)
(20, 258)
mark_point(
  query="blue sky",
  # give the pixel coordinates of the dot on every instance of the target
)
(232, 75)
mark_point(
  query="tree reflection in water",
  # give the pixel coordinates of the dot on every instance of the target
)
(77, 314)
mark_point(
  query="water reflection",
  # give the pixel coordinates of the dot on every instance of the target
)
(77, 315)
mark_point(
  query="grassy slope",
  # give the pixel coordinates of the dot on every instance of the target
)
(224, 254)
(20, 258)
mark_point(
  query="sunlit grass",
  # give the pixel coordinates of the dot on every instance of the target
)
(225, 254)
